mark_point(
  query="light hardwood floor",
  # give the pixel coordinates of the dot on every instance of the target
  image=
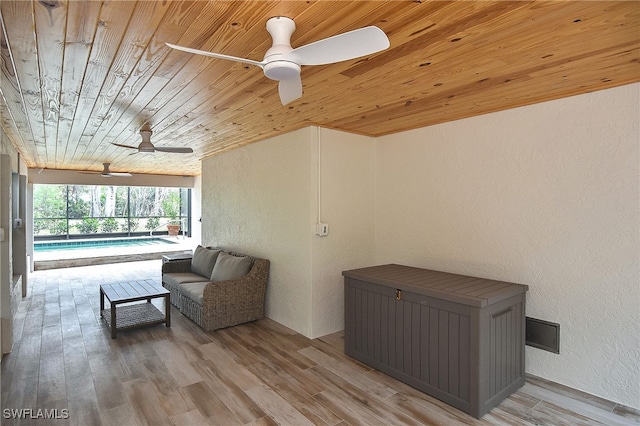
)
(260, 373)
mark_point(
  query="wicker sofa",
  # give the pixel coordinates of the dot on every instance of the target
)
(217, 288)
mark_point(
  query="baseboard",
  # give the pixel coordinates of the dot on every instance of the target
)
(577, 394)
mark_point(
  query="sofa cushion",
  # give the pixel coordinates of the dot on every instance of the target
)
(193, 291)
(174, 279)
(203, 261)
(229, 267)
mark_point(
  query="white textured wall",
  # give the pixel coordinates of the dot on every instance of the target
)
(196, 211)
(545, 195)
(262, 199)
(257, 200)
(347, 199)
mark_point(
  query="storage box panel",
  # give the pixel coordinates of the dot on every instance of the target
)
(420, 337)
(466, 349)
(505, 364)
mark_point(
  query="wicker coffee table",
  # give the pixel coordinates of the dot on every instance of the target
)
(133, 315)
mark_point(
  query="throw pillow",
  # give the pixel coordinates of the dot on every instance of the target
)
(229, 267)
(203, 261)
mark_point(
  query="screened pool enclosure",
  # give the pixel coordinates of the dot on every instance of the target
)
(100, 211)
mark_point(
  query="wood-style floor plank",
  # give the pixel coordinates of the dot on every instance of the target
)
(260, 373)
(51, 377)
(293, 392)
(146, 405)
(234, 398)
(277, 407)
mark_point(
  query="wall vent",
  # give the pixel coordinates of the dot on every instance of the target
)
(542, 334)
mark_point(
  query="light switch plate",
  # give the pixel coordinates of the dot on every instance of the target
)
(322, 229)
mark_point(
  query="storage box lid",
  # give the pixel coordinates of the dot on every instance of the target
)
(463, 289)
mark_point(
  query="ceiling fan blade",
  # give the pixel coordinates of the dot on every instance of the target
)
(124, 146)
(341, 47)
(117, 174)
(215, 55)
(290, 89)
(176, 149)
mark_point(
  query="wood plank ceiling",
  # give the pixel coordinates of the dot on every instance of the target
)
(78, 75)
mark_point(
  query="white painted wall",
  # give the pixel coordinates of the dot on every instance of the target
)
(6, 320)
(11, 162)
(257, 200)
(196, 211)
(545, 195)
(262, 199)
(347, 199)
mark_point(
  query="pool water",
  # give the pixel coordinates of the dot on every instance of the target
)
(88, 244)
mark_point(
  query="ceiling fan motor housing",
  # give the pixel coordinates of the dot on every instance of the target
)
(281, 70)
(146, 145)
(105, 170)
(281, 28)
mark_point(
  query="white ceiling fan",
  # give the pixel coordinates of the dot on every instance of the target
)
(282, 63)
(107, 173)
(147, 146)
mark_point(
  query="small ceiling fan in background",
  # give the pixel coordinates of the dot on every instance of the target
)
(147, 146)
(282, 63)
(107, 173)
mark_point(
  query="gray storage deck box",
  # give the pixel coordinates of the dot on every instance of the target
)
(458, 338)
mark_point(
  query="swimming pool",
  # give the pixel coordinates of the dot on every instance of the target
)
(92, 244)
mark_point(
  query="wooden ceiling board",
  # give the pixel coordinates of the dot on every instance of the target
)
(539, 67)
(109, 32)
(184, 87)
(20, 39)
(50, 39)
(131, 68)
(80, 32)
(14, 118)
(80, 76)
(131, 73)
